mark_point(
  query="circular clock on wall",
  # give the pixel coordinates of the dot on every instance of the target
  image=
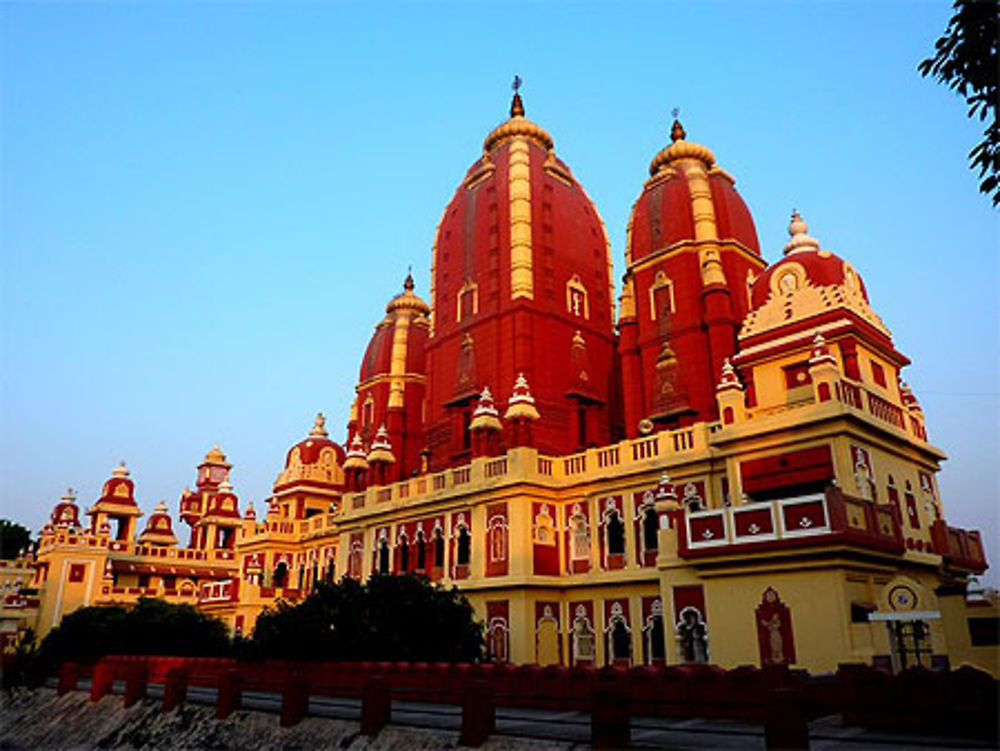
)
(902, 598)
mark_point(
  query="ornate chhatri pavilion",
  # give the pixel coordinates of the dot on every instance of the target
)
(724, 467)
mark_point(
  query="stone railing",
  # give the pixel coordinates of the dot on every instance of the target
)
(526, 465)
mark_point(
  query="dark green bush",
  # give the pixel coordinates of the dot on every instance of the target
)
(398, 618)
(150, 627)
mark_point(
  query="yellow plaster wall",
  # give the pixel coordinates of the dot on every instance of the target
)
(820, 614)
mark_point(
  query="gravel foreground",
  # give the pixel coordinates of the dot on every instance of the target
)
(41, 720)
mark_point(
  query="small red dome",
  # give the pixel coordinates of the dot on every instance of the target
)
(804, 263)
(224, 503)
(66, 513)
(310, 448)
(806, 283)
(316, 461)
(378, 356)
(663, 214)
(379, 352)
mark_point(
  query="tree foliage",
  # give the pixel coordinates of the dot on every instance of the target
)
(389, 618)
(150, 627)
(13, 539)
(965, 60)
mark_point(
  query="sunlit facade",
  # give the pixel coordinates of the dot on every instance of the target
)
(714, 461)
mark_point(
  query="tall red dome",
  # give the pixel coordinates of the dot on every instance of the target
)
(691, 255)
(391, 384)
(521, 284)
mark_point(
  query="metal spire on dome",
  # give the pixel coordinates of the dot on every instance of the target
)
(408, 282)
(516, 105)
(677, 132)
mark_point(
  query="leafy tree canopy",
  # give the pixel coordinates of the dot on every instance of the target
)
(151, 627)
(13, 539)
(401, 618)
(966, 61)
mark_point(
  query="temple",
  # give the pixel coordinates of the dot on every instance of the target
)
(717, 461)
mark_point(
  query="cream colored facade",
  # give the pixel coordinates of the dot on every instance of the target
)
(836, 577)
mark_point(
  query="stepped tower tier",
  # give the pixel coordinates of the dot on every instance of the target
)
(392, 384)
(212, 472)
(66, 513)
(811, 332)
(520, 272)
(116, 509)
(159, 528)
(691, 255)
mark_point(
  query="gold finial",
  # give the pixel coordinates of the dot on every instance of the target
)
(677, 130)
(516, 105)
(319, 426)
(408, 282)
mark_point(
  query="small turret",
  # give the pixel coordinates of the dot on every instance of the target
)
(730, 396)
(159, 528)
(521, 411)
(485, 426)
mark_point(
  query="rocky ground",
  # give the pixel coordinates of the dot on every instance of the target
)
(42, 720)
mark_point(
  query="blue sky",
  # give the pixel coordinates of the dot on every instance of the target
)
(205, 206)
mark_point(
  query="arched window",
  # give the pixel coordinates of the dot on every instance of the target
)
(468, 301)
(421, 545)
(497, 637)
(438, 548)
(280, 575)
(582, 637)
(497, 536)
(464, 546)
(383, 556)
(654, 637)
(661, 296)
(403, 544)
(621, 641)
(650, 529)
(576, 298)
(368, 412)
(615, 532)
(579, 536)
(354, 560)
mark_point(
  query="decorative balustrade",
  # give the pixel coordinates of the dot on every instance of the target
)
(959, 547)
(645, 448)
(575, 464)
(809, 519)
(885, 410)
(860, 398)
(607, 457)
(621, 456)
(496, 467)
